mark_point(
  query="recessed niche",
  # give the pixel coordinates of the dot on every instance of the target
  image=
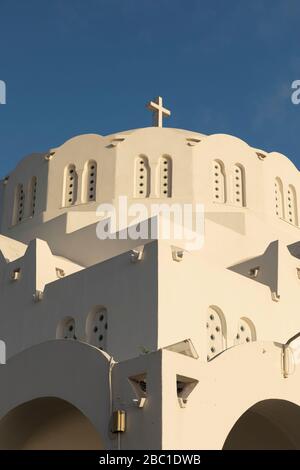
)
(218, 181)
(66, 329)
(139, 386)
(245, 331)
(216, 332)
(184, 387)
(96, 327)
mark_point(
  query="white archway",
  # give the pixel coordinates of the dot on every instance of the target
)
(48, 423)
(269, 424)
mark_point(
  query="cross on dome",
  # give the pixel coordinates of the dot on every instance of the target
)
(158, 111)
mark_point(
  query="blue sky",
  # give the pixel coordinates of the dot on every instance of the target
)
(89, 66)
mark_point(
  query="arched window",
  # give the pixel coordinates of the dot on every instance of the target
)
(238, 189)
(96, 327)
(90, 181)
(66, 329)
(246, 331)
(292, 210)
(279, 199)
(70, 185)
(216, 332)
(142, 177)
(165, 176)
(219, 191)
(19, 204)
(32, 196)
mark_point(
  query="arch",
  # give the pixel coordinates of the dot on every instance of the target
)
(218, 182)
(96, 327)
(19, 204)
(245, 331)
(48, 423)
(142, 177)
(291, 205)
(32, 196)
(216, 332)
(269, 424)
(165, 176)
(279, 198)
(89, 181)
(66, 329)
(238, 185)
(70, 185)
(62, 369)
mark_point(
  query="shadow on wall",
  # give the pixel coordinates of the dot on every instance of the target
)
(269, 424)
(48, 424)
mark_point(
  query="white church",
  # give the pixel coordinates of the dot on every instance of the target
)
(124, 343)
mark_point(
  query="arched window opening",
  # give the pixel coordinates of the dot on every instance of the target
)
(279, 199)
(238, 189)
(96, 327)
(19, 204)
(216, 332)
(90, 181)
(66, 329)
(32, 195)
(292, 209)
(70, 185)
(219, 191)
(142, 177)
(246, 331)
(165, 176)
